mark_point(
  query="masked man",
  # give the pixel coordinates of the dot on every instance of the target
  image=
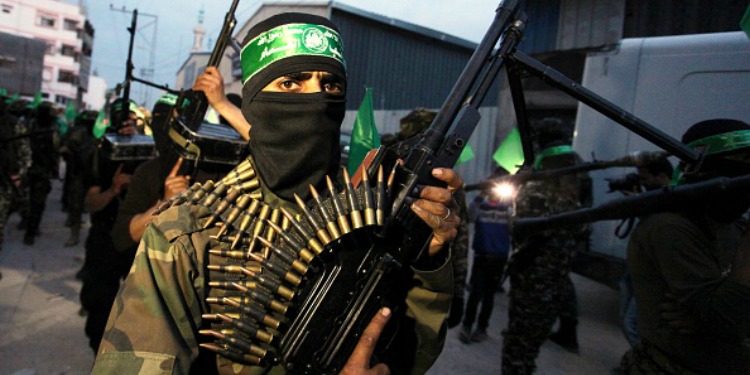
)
(294, 98)
(691, 269)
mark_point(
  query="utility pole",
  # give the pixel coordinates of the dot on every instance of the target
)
(147, 73)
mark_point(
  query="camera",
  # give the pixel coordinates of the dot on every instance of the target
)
(629, 184)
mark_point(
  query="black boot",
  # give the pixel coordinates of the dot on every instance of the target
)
(566, 336)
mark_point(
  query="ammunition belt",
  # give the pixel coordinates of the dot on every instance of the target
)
(261, 257)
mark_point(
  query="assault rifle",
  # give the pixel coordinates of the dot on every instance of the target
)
(368, 268)
(195, 111)
(361, 267)
(195, 139)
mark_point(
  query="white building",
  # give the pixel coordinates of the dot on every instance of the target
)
(64, 28)
(95, 96)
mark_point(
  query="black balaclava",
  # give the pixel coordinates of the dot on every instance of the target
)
(720, 140)
(294, 138)
(160, 131)
(87, 119)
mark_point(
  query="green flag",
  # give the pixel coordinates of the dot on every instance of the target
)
(70, 113)
(37, 100)
(101, 124)
(62, 126)
(364, 134)
(466, 154)
(3, 92)
(745, 22)
(510, 153)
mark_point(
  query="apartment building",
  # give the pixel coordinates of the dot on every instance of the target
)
(68, 36)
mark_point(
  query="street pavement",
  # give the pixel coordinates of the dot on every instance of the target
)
(41, 330)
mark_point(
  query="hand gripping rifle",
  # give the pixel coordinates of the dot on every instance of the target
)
(196, 109)
(195, 139)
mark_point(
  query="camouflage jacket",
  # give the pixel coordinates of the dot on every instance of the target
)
(15, 155)
(155, 320)
(542, 198)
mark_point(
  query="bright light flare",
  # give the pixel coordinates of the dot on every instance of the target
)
(504, 191)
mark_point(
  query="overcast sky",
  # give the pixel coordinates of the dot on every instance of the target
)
(175, 19)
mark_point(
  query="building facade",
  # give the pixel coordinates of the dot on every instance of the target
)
(68, 37)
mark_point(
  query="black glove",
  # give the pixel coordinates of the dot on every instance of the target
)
(456, 313)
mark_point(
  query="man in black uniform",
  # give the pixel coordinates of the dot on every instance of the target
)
(104, 267)
(78, 151)
(43, 167)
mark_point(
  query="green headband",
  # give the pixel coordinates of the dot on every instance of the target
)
(168, 99)
(724, 142)
(296, 39)
(552, 151)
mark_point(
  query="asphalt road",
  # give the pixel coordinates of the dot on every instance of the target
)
(41, 331)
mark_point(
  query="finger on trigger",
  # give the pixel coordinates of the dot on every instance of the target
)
(176, 167)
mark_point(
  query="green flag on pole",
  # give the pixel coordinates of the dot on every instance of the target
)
(510, 153)
(365, 135)
(101, 124)
(37, 100)
(745, 22)
(62, 126)
(466, 154)
(70, 113)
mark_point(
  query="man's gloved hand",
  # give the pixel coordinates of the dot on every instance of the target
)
(457, 312)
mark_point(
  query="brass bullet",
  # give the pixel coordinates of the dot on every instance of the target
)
(228, 284)
(277, 269)
(248, 186)
(312, 242)
(317, 226)
(200, 193)
(241, 326)
(353, 201)
(380, 198)
(232, 355)
(285, 255)
(234, 178)
(298, 248)
(242, 203)
(263, 299)
(239, 343)
(223, 206)
(369, 199)
(254, 312)
(333, 230)
(271, 284)
(338, 208)
(215, 194)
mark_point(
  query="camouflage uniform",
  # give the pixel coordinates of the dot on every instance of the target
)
(538, 270)
(15, 159)
(166, 289)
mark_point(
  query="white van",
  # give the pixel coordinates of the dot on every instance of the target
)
(670, 82)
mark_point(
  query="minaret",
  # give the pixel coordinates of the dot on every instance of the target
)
(199, 32)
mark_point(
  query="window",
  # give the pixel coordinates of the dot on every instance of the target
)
(62, 100)
(68, 51)
(7, 62)
(6, 9)
(51, 48)
(47, 21)
(70, 25)
(66, 77)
